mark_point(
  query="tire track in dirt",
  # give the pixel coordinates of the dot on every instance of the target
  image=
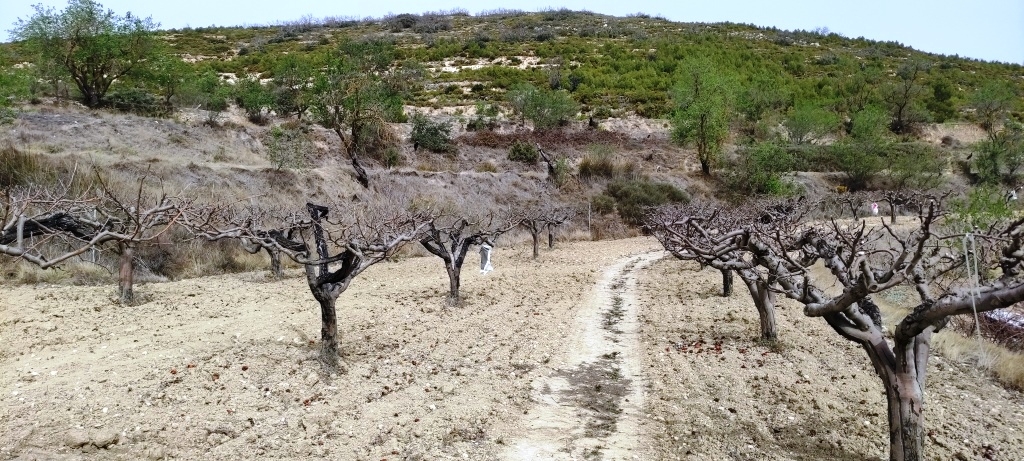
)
(590, 408)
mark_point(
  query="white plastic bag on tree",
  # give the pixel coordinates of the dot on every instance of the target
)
(485, 258)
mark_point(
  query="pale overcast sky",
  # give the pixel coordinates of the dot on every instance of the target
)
(981, 29)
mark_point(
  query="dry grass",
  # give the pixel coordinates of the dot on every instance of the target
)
(1007, 366)
(75, 273)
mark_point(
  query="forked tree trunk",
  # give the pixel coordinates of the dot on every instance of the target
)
(275, 262)
(328, 329)
(764, 302)
(726, 282)
(326, 292)
(903, 377)
(454, 279)
(126, 275)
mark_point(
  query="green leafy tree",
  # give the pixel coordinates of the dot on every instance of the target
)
(545, 108)
(703, 101)
(905, 98)
(95, 47)
(292, 73)
(357, 92)
(914, 166)
(860, 156)
(253, 97)
(431, 135)
(1001, 157)
(167, 75)
(991, 102)
(940, 104)
(761, 169)
(205, 91)
(806, 123)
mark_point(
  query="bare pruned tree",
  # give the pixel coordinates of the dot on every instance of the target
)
(342, 248)
(865, 260)
(49, 226)
(542, 216)
(707, 234)
(256, 228)
(451, 233)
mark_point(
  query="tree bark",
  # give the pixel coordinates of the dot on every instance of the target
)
(126, 275)
(536, 241)
(454, 279)
(727, 282)
(275, 262)
(551, 236)
(764, 302)
(892, 212)
(361, 175)
(328, 330)
(903, 376)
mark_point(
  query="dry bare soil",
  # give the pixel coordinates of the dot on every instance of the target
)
(598, 350)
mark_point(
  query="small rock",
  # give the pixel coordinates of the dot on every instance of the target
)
(105, 438)
(76, 438)
(155, 453)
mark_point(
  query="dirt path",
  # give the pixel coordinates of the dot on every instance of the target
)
(590, 408)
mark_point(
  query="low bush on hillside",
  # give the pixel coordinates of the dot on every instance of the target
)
(523, 152)
(431, 135)
(137, 101)
(632, 196)
(552, 139)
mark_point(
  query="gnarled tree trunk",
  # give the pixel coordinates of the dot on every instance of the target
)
(903, 377)
(726, 282)
(764, 302)
(551, 236)
(126, 274)
(454, 280)
(275, 262)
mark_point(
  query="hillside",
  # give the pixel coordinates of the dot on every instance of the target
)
(603, 347)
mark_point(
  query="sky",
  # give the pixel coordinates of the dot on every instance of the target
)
(992, 30)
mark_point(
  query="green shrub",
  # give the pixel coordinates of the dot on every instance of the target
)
(390, 157)
(136, 101)
(602, 204)
(523, 152)
(254, 98)
(433, 136)
(760, 170)
(633, 196)
(545, 108)
(562, 172)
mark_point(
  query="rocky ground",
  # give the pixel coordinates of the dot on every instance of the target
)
(598, 350)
